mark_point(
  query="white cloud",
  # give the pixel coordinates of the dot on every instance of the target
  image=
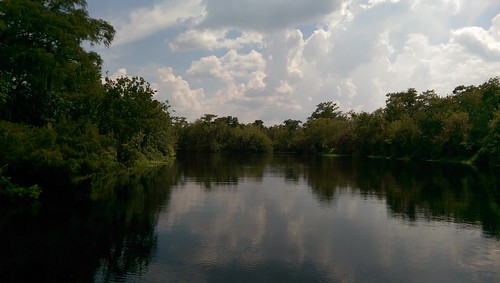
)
(196, 39)
(232, 68)
(120, 73)
(214, 39)
(256, 80)
(318, 45)
(209, 67)
(371, 3)
(175, 89)
(146, 21)
(485, 43)
(284, 88)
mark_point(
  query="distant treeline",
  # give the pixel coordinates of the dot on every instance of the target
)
(60, 122)
(463, 126)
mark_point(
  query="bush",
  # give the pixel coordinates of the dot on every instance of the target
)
(13, 192)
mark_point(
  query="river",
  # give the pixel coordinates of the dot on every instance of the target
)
(265, 218)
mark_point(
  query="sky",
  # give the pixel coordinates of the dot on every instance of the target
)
(273, 60)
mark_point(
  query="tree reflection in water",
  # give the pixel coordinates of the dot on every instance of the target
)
(414, 190)
(107, 236)
(411, 189)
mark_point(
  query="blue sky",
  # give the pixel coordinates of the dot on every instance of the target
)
(277, 59)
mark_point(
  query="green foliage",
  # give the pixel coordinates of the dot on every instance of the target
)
(15, 193)
(460, 127)
(57, 119)
(212, 134)
(287, 137)
(412, 125)
(400, 103)
(251, 139)
(402, 136)
(73, 149)
(209, 134)
(491, 149)
(141, 126)
(368, 133)
(320, 135)
(327, 130)
(326, 110)
(42, 57)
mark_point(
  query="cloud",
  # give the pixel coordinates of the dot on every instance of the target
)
(485, 43)
(265, 15)
(214, 39)
(256, 80)
(120, 73)
(284, 88)
(247, 59)
(188, 101)
(232, 68)
(146, 21)
(372, 3)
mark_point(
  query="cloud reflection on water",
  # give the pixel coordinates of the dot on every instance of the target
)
(254, 227)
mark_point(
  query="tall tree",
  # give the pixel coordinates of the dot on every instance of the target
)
(43, 59)
(327, 110)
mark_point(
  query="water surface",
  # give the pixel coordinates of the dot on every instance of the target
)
(218, 218)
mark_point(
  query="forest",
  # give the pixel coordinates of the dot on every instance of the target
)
(60, 120)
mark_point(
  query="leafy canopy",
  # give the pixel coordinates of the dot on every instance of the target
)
(42, 56)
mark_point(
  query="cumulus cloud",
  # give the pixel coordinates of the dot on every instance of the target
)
(278, 59)
(214, 39)
(178, 91)
(256, 80)
(146, 21)
(485, 43)
(232, 68)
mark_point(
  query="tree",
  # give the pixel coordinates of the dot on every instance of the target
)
(209, 134)
(229, 121)
(327, 110)
(480, 103)
(42, 57)
(368, 132)
(399, 103)
(141, 125)
(251, 138)
(258, 123)
(492, 140)
(402, 136)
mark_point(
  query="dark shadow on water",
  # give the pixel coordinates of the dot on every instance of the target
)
(109, 234)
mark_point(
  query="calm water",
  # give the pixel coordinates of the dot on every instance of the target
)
(216, 218)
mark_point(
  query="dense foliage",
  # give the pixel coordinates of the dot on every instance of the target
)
(212, 134)
(62, 123)
(44, 66)
(463, 126)
(58, 120)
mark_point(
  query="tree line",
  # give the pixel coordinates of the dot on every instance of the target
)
(462, 126)
(60, 121)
